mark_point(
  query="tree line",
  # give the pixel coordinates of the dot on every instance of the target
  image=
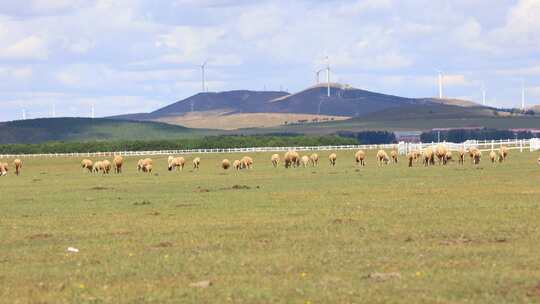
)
(461, 135)
(209, 142)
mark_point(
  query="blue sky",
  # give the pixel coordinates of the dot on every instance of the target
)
(136, 55)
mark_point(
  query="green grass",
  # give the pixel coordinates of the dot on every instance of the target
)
(87, 129)
(397, 124)
(455, 234)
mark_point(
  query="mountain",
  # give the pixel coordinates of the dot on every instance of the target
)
(87, 129)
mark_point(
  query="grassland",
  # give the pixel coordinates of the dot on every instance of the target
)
(454, 234)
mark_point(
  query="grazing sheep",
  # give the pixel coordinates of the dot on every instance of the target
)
(170, 159)
(503, 153)
(477, 155)
(360, 157)
(177, 163)
(97, 167)
(416, 155)
(493, 156)
(332, 158)
(538, 161)
(140, 165)
(440, 153)
(87, 164)
(410, 158)
(461, 156)
(382, 158)
(17, 163)
(291, 159)
(428, 156)
(275, 160)
(448, 157)
(225, 164)
(305, 161)
(4, 168)
(196, 163)
(105, 167)
(246, 162)
(314, 159)
(118, 162)
(394, 156)
(237, 164)
(146, 165)
(147, 168)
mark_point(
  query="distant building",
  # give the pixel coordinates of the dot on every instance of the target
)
(408, 136)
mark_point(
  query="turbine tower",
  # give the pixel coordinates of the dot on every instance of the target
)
(93, 111)
(203, 68)
(440, 73)
(53, 110)
(328, 76)
(317, 75)
(24, 114)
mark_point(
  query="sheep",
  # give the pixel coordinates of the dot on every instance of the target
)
(538, 161)
(305, 161)
(237, 165)
(382, 158)
(394, 156)
(97, 167)
(87, 164)
(503, 153)
(472, 153)
(314, 159)
(17, 163)
(360, 157)
(440, 153)
(477, 155)
(461, 156)
(275, 160)
(493, 156)
(147, 168)
(225, 164)
(105, 167)
(142, 163)
(416, 155)
(428, 156)
(196, 163)
(291, 159)
(410, 158)
(118, 161)
(448, 157)
(246, 162)
(170, 159)
(177, 163)
(4, 168)
(332, 158)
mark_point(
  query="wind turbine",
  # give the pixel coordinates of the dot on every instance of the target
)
(440, 73)
(24, 114)
(317, 75)
(93, 111)
(53, 110)
(328, 76)
(203, 68)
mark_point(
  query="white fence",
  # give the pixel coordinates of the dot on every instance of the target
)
(402, 147)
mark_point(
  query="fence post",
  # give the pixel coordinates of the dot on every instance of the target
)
(521, 145)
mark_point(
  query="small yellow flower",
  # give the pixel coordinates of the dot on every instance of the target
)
(303, 274)
(130, 254)
(166, 256)
(418, 273)
(81, 286)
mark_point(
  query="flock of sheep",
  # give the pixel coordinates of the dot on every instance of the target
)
(4, 167)
(429, 156)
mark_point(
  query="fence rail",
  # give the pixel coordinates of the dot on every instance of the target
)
(402, 147)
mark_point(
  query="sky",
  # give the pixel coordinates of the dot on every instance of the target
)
(129, 56)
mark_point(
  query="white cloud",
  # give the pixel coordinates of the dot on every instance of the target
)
(31, 47)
